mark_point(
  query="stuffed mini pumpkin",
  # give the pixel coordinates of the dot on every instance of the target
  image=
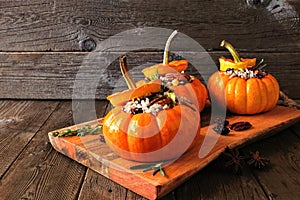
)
(149, 123)
(242, 85)
(173, 76)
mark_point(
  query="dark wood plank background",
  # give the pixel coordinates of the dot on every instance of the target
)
(44, 42)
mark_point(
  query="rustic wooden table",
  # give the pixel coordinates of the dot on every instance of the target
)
(31, 169)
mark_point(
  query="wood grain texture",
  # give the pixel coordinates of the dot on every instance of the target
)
(281, 180)
(169, 196)
(207, 184)
(34, 25)
(52, 75)
(95, 154)
(40, 172)
(19, 122)
(96, 186)
(296, 129)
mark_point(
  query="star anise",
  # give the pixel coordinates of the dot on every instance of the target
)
(234, 160)
(257, 160)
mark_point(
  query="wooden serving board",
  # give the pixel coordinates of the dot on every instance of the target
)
(91, 151)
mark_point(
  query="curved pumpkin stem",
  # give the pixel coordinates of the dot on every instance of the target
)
(167, 47)
(125, 72)
(232, 51)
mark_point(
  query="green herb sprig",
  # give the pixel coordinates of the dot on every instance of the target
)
(156, 167)
(261, 65)
(82, 131)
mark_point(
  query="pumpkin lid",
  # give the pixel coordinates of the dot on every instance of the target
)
(237, 62)
(162, 69)
(119, 98)
(226, 63)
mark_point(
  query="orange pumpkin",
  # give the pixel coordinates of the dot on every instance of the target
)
(251, 96)
(145, 137)
(244, 91)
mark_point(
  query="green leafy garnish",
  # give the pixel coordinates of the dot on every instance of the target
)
(261, 65)
(156, 167)
(82, 131)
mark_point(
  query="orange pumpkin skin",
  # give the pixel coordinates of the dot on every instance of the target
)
(194, 91)
(251, 96)
(144, 137)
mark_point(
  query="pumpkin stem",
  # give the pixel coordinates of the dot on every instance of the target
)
(125, 73)
(167, 47)
(232, 51)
